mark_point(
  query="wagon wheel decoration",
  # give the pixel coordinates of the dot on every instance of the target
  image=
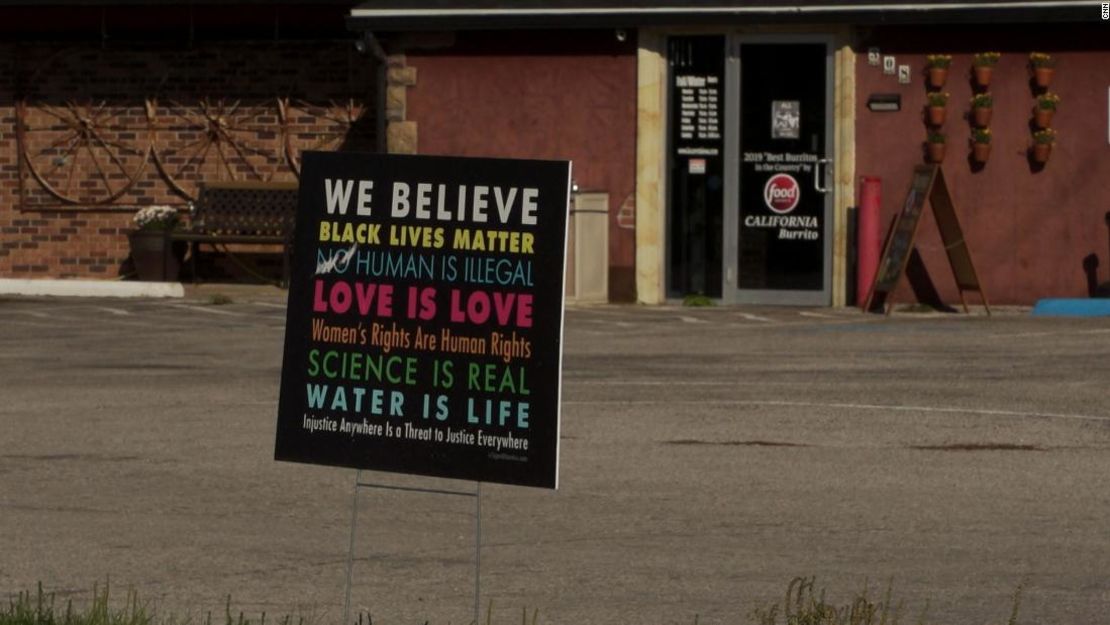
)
(213, 140)
(83, 153)
(327, 127)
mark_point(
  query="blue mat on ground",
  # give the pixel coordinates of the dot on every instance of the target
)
(1072, 308)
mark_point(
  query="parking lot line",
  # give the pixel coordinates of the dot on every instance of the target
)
(751, 317)
(806, 313)
(210, 311)
(33, 313)
(115, 311)
(846, 406)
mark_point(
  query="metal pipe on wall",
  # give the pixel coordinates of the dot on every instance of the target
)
(867, 238)
(369, 43)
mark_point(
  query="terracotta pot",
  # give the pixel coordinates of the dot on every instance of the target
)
(938, 76)
(1043, 117)
(981, 116)
(935, 152)
(1041, 152)
(983, 75)
(1043, 76)
(936, 115)
(155, 257)
(980, 152)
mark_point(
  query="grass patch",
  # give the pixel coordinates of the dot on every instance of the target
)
(803, 604)
(697, 300)
(41, 609)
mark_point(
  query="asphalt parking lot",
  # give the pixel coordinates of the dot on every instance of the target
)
(708, 456)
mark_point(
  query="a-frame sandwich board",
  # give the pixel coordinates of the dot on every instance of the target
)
(927, 184)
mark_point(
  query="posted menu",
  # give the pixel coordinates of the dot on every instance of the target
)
(424, 325)
(699, 98)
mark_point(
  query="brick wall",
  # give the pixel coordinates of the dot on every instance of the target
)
(89, 133)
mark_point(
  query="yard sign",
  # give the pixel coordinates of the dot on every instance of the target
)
(425, 317)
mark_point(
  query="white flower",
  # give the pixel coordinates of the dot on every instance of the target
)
(156, 216)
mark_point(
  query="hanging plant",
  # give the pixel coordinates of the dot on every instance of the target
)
(982, 66)
(980, 144)
(1043, 141)
(936, 65)
(982, 106)
(937, 107)
(1045, 109)
(934, 146)
(1044, 66)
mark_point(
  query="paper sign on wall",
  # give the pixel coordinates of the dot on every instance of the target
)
(786, 119)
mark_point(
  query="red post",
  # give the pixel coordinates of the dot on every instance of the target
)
(867, 236)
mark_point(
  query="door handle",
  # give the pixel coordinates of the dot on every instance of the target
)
(823, 165)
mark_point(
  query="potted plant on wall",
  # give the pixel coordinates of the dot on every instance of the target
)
(1045, 109)
(152, 252)
(982, 65)
(936, 65)
(934, 146)
(1044, 66)
(980, 144)
(1042, 144)
(937, 107)
(982, 105)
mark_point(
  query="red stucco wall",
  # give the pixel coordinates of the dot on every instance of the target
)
(553, 95)
(1029, 230)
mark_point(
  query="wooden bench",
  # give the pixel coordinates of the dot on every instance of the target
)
(242, 213)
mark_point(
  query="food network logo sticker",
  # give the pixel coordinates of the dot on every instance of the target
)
(781, 193)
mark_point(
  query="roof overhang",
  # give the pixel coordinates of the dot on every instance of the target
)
(429, 15)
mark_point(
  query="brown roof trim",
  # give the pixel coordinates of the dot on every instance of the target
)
(400, 15)
(34, 4)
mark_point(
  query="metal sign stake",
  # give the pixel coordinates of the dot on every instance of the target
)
(476, 494)
(351, 550)
(477, 551)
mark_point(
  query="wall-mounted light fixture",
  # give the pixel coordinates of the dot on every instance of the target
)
(884, 102)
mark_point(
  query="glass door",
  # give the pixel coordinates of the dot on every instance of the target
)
(779, 200)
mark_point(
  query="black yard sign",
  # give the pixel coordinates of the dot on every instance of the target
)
(424, 328)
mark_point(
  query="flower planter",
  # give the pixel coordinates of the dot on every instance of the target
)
(935, 152)
(980, 152)
(938, 76)
(1042, 118)
(936, 114)
(1041, 152)
(155, 256)
(981, 116)
(983, 75)
(1042, 76)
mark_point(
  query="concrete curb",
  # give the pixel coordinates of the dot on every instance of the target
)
(90, 288)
